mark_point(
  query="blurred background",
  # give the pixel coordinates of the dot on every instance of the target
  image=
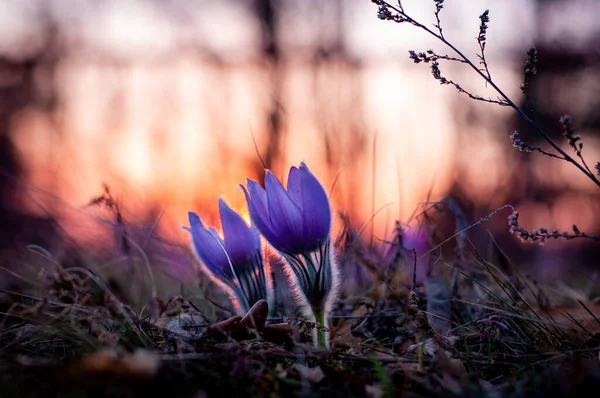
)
(173, 103)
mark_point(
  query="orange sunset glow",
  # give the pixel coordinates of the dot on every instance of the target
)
(165, 104)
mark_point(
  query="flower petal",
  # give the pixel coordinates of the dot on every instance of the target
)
(240, 240)
(316, 210)
(257, 207)
(285, 215)
(259, 197)
(208, 248)
(294, 186)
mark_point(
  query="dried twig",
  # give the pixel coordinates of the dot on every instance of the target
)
(389, 12)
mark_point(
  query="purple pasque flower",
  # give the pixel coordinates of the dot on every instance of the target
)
(234, 262)
(297, 223)
(294, 221)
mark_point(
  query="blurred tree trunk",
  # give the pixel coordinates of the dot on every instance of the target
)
(266, 12)
(20, 82)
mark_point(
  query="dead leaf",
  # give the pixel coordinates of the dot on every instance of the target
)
(257, 316)
(246, 328)
(227, 326)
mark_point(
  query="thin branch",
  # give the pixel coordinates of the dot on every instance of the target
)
(400, 17)
(524, 147)
(430, 56)
(530, 71)
(256, 148)
(437, 74)
(573, 140)
(482, 40)
(541, 235)
(439, 4)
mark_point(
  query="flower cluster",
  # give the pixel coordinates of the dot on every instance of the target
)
(296, 222)
(234, 262)
(542, 234)
(520, 144)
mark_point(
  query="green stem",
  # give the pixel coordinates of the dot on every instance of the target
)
(322, 337)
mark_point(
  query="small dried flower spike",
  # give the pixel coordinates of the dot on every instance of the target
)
(235, 263)
(297, 223)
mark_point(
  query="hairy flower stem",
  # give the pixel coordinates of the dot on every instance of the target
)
(314, 274)
(321, 335)
(505, 97)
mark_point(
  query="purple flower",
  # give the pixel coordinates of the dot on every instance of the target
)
(235, 262)
(294, 221)
(297, 223)
(417, 238)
